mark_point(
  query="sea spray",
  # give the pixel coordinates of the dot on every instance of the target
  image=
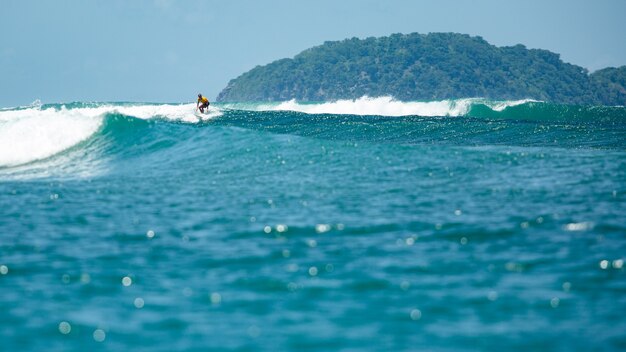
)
(40, 131)
(33, 134)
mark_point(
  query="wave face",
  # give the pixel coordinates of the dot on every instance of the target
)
(288, 226)
(32, 134)
(460, 122)
(51, 137)
(36, 133)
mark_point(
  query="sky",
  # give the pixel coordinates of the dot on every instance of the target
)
(168, 51)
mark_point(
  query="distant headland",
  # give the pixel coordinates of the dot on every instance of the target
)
(435, 66)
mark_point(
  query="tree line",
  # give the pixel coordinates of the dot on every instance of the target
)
(434, 66)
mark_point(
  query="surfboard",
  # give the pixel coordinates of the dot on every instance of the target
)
(200, 115)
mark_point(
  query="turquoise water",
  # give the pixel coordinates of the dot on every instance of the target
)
(442, 226)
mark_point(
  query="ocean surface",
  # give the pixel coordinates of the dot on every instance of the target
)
(371, 224)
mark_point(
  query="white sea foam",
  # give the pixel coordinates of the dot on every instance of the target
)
(501, 105)
(181, 112)
(32, 133)
(385, 106)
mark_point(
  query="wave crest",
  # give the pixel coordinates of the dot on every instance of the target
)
(384, 106)
(33, 134)
(38, 132)
(525, 109)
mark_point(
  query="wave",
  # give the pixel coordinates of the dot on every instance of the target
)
(547, 112)
(33, 134)
(86, 135)
(525, 109)
(39, 131)
(382, 106)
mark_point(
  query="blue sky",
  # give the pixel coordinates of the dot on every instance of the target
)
(167, 51)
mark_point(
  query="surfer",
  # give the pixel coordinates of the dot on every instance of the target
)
(203, 103)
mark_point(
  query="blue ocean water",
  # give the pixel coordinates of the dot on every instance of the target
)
(353, 225)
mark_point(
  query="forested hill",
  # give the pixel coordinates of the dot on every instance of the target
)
(432, 66)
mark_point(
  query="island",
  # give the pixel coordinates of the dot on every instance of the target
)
(419, 67)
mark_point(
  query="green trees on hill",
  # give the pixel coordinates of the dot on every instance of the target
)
(609, 84)
(426, 67)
